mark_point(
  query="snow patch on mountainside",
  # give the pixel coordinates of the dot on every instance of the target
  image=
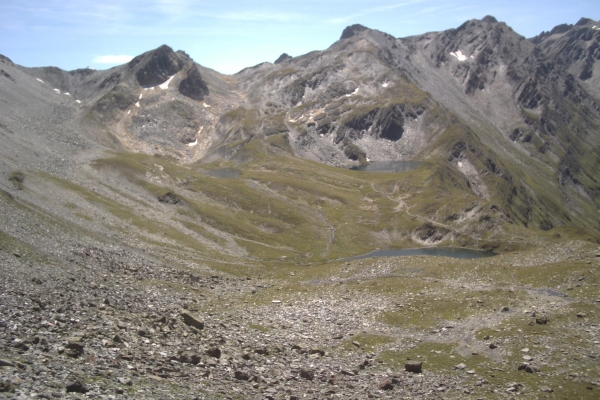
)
(165, 85)
(459, 55)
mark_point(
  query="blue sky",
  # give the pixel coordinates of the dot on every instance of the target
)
(230, 35)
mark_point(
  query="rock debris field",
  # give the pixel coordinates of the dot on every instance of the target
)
(108, 323)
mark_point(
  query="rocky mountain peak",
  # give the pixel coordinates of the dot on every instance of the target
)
(156, 66)
(489, 19)
(352, 30)
(5, 60)
(282, 58)
(583, 21)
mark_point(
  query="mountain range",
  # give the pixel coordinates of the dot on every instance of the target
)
(167, 231)
(509, 123)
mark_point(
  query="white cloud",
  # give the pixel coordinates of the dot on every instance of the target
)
(110, 59)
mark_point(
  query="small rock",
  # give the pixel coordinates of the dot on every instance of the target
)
(301, 347)
(414, 367)
(76, 348)
(356, 344)
(542, 320)
(125, 381)
(77, 387)
(532, 368)
(307, 374)
(263, 351)
(460, 366)
(189, 357)
(386, 385)
(546, 389)
(242, 375)
(315, 350)
(581, 315)
(192, 320)
(504, 309)
(493, 346)
(7, 387)
(527, 358)
(214, 352)
(6, 363)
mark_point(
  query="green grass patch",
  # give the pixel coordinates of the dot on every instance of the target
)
(368, 342)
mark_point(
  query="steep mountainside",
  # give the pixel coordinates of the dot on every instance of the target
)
(509, 126)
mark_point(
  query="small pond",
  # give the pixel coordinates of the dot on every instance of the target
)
(427, 251)
(387, 166)
(223, 173)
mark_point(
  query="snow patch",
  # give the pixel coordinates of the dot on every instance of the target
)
(56, 90)
(206, 105)
(459, 55)
(128, 112)
(141, 94)
(353, 93)
(78, 101)
(165, 85)
(137, 104)
(195, 142)
(460, 164)
(39, 80)
(67, 94)
(385, 84)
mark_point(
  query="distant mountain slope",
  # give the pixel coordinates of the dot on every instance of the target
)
(509, 127)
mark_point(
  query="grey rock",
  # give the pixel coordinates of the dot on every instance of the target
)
(242, 375)
(192, 320)
(386, 385)
(307, 374)
(414, 367)
(76, 386)
(214, 352)
(125, 381)
(6, 363)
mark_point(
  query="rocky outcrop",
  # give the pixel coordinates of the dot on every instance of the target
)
(112, 104)
(193, 86)
(352, 30)
(283, 58)
(157, 66)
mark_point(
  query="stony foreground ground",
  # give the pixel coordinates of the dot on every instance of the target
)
(95, 322)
